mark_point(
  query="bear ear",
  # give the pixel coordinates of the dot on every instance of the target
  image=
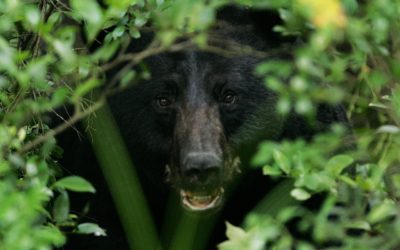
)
(236, 15)
(257, 22)
(240, 15)
(264, 22)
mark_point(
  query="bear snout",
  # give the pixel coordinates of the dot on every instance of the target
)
(202, 170)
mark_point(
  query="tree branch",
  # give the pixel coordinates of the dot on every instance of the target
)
(78, 115)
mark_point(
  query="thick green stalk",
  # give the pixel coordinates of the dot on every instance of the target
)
(123, 182)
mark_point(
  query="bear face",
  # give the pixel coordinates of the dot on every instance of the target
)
(191, 118)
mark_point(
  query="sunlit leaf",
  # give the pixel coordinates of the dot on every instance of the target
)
(91, 228)
(300, 194)
(282, 161)
(92, 13)
(233, 232)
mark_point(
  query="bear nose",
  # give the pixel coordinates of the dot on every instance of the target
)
(202, 168)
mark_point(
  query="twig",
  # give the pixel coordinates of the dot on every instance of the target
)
(65, 120)
(78, 115)
(134, 58)
(231, 49)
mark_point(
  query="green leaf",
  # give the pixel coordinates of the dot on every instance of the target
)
(364, 225)
(167, 37)
(274, 84)
(263, 155)
(382, 211)
(303, 106)
(270, 170)
(85, 88)
(237, 238)
(106, 51)
(61, 207)
(298, 84)
(32, 16)
(304, 246)
(390, 129)
(65, 51)
(287, 214)
(282, 161)
(59, 96)
(51, 234)
(300, 194)
(134, 32)
(48, 147)
(318, 181)
(91, 228)
(337, 163)
(91, 12)
(377, 79)
(128, 78)
(118, 32)
(233, 232)
(284, 105)
(75, 183)
(348, 180)
(277, 67)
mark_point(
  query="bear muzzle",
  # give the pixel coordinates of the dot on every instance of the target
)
(197, 201)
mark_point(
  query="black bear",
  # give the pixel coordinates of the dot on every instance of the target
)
(199, 113)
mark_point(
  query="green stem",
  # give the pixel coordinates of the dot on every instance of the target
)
(123, 182)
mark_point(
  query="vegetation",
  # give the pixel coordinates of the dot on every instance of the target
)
(349, 54)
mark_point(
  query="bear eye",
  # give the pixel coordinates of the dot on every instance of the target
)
(229, 98)
(164, 101)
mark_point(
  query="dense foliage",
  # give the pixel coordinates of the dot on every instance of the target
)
(348, 53)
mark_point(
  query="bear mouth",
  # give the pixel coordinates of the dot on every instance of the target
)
(200, 201)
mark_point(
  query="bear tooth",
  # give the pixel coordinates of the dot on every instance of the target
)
(201, 197)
